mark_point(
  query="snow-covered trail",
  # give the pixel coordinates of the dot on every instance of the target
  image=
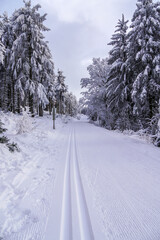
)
(75, 221)
(80, 182)
(121, 179)
(108, 188)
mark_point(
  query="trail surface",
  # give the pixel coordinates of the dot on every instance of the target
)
(81, 182)
(72, 174)
(121, 178)
(110, 187)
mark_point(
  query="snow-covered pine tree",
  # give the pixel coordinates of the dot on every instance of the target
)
(29, 57)
(2, 51)
(2, 48)
(47, 80)
(7, 80)
(144, 60)
(118, 86)
(94, 96)
(61, 88)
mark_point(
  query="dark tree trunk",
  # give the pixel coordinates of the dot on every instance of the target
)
(40, 110)
(31, 108)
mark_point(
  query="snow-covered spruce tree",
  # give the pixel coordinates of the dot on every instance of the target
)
(144, 61)
(7, 80)
(29, 58)
(94, 96)
(2, 48)
(61, 88)
(47, 80)
(118, 87)
(2, 51)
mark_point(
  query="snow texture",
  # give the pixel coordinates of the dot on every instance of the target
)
(81, 179)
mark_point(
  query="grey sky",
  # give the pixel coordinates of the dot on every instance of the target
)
(80, 30)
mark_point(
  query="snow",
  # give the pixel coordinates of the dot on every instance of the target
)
(25, 176)
(80, 181)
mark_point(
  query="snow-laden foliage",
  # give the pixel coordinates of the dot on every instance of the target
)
(2, 53)
(30, 58)
(71, 104)
(2, 49)
(66, 102)
(118, 86)
(128, 97)
(61, 88)
(144, 60)
(95, 91)
(27, 75)
(24, 124)
(7, 91)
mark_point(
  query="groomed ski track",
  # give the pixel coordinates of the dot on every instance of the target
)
(72, 174)
(106, 187)
(82, 182)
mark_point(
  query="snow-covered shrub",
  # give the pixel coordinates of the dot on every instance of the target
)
(4, 139)
(13, 147)
(1, 127)
(24, 124)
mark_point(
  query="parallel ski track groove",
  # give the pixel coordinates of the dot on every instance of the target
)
(66, 217)
(85, 228)
(83, 215)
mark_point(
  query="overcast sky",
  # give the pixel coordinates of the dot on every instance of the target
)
(80, 30)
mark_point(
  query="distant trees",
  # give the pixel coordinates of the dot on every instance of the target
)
(66, 102)
(95, 94)
(71, 104)
(61, 88)
(27, 77)
(131, 91)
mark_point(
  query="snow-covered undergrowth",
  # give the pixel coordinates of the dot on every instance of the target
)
(25, 175)
(141, 134)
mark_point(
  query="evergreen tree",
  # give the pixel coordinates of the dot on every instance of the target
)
(1, 63)
(2, 51)
(118, 86)
(30, 57)
(48, 80)
(144, 60)
(7, 81)
(61, 88)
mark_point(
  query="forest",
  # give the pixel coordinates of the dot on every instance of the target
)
(27, 74)
(123, 90)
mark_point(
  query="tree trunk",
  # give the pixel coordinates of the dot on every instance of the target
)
(40, 110)
(31, 109)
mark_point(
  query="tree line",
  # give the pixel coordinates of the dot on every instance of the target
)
(27, 75)
(123, 90)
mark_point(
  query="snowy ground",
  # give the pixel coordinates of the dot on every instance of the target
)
(77, 182)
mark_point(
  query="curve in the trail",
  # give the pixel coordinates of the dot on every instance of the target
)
(66, 216)
(83, 215)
